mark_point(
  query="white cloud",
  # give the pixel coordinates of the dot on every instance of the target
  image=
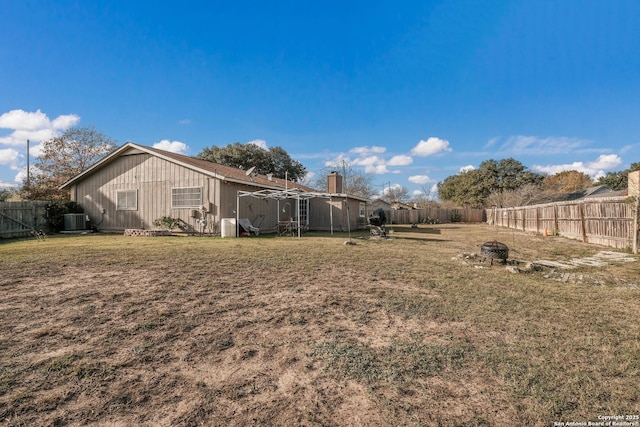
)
(372, 164)
(366, 151)
(172, 146)
(9, 157)
(33, 126)
(594, 169)
(522, 144)
(20, 119)
(491, 142)
(376, 169)
(185, 121)
(417, 193)
(65, 122)
(260, 143)
(371, 159)
(606, 161)
(35, 150)
(338, 161)
(392, 187)
(308, 178)
(400, 160)
(420, 179)
(626, 148)
(21, 176)
(431, 146)
(8, 185)
(467, 168)
(368, 161)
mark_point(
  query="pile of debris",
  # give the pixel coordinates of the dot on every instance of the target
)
(552, 270)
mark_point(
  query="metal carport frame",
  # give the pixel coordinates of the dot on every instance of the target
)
(288, 193)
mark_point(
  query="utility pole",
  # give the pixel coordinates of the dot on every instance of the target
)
(28, 173)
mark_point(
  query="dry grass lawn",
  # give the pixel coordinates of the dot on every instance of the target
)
(187, 331)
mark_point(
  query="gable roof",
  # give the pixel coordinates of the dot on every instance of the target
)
(380, 202)
(591, 192)
(214, 170)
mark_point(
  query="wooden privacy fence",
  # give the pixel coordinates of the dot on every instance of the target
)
(18, 219)
(436, 215)
(611, 221)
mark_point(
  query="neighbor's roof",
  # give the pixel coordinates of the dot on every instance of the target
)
(591, 192)
(215, 170)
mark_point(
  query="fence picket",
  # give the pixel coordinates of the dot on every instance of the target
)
(609, 221)
(18, 219)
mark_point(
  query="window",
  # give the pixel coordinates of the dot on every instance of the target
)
(186, 197)
(127, 200)
(362, 210)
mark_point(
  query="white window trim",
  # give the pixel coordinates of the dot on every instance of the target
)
(127, 208)
(303, 211)
(363, 209)
(197, 205)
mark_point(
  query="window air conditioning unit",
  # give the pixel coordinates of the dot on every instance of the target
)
(75, 221)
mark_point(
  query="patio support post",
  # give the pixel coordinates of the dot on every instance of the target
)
(331, 213)
(237, 214)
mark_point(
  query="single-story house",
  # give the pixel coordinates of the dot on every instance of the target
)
(399, 206)
(136, 185)
(590, 193)
(379, 204)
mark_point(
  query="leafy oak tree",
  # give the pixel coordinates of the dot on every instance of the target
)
(472, 188)
(64, 157)
(274, 161)
(468, 188)
(618, 180)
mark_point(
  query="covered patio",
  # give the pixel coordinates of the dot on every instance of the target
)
(294, 224)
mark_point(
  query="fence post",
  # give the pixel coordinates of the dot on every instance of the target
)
(634, 190)
(635, 225)
(582, 223)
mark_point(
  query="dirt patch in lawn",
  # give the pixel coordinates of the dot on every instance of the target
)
(108, 330)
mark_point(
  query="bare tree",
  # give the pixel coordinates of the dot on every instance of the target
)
(566, 182)
(355, 181)
(396, 194)
(64, 157)
(526, 195)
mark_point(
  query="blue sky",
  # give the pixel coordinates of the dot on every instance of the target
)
(411, 91)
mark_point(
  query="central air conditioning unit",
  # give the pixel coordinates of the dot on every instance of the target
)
(77, 221)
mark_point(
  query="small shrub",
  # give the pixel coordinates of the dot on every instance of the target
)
(55, 211)
(169, 223)
(454, 216)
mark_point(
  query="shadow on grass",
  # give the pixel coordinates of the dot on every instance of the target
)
(420, 239)
(359, 234)
(418, 230)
